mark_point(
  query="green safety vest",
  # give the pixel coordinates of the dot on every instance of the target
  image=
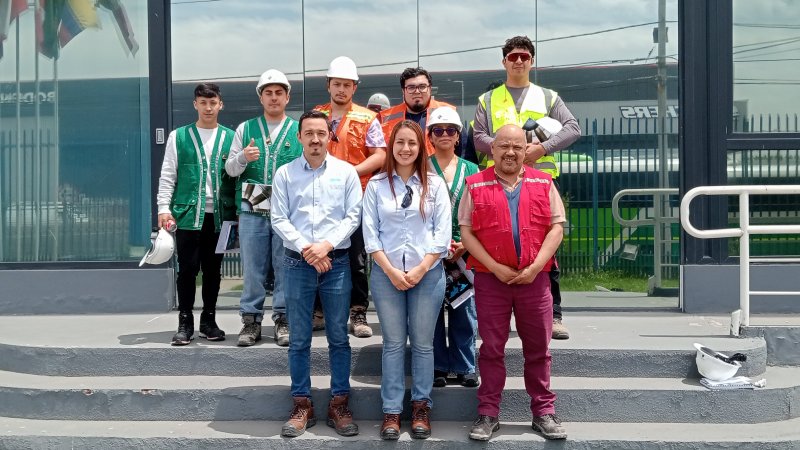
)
(189, 198)
(272, 155)
(501, 110)
(464, 169)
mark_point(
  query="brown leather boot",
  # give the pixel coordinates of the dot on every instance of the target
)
(420, 419)
(390, 430)
(340, 417)
(302, 417)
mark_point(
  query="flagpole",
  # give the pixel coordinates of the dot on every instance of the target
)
(54, 166)
(17, 226)
(37, 155)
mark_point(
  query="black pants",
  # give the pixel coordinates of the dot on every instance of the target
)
(196, 252)
(555, 275)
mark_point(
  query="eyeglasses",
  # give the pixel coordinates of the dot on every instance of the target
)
(411, 88)
(407, 198)
(514, 57)
(438, 132)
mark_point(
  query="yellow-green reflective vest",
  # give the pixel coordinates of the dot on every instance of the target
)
(501, 110)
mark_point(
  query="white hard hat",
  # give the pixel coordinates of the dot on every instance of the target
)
(273, 76)
(380, 100)
(712, 367)
(444, 114)
(551, 125)
(342, 67)
(163, 245)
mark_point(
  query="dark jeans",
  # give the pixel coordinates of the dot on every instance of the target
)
(196, 251)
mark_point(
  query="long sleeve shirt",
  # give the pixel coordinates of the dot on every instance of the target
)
(314, 205)
(169, 170)
(402, 233)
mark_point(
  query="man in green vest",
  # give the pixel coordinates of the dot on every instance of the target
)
(515, 102)
(262, 145)
(196, 195)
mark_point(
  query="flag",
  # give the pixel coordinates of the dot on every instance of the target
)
(76, 16)
(124, 28)
(9, 11)
(48, 20)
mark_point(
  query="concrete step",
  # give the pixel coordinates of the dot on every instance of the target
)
(267, 398)
(23, 434)
(782, 335)
(602, 345)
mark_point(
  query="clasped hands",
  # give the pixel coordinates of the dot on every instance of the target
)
(509, 275)
(316, 255)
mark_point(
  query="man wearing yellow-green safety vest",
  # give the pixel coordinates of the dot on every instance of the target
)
(515, 102)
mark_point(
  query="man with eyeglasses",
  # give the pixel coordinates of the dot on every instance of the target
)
(515, 102)
(512, 221)
(358, 139)
(417, 104)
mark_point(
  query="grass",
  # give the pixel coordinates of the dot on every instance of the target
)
(610, 279)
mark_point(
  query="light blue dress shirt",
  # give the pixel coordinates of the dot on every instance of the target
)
(403, 235)
(315, 205)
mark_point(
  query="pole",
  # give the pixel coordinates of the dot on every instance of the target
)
(417, 33)
(17, 226)
(536, 40)
(663, 170)
(303, 41)
(37, 154)
(53, 173)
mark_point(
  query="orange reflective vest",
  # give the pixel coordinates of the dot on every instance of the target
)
(491, 218)
(390, 117)
(350, 137)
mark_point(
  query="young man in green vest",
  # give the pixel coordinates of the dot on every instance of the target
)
(196, 194)
(514, 102)
(262, 145)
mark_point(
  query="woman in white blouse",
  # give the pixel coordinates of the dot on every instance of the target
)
(407, 229)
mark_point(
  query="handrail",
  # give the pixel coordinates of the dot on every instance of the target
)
(743, 232)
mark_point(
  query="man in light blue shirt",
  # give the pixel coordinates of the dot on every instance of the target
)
(316, 206)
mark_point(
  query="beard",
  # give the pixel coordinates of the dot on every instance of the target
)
(340, 102)
(416, 108)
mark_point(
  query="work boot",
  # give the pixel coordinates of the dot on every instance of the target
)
(318, 321)
(208, 327)
(559, 330)
(358, 322)
(390, 430)
(469, 380)
(185, 329)
(302, 417)
(420, 419)
(483, 427)
(439, 378)
(340, 417)
(250, 332)
(282, 331)
(549, 426)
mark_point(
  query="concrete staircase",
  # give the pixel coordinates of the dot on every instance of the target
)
(623, 381)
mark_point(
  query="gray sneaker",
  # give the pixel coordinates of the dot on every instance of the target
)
(549, 426)
(483, 427)
(250, 333)
(282, 331)
(559, 330)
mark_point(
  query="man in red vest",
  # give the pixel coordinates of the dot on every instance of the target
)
(511, 219)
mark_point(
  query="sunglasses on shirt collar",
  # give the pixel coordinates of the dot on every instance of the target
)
(407, 198)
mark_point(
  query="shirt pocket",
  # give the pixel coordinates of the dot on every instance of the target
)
(488, 217)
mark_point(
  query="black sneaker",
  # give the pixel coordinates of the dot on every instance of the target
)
(281, 332)
(549, 426)
(185, 329)
(483, 427)
(469, 380)
(439, 378)
(250, 332)
(208, 327)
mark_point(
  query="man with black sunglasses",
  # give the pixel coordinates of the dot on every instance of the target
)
(515, 102)
(418, 103)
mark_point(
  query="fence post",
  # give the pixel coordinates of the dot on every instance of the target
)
(595, 200)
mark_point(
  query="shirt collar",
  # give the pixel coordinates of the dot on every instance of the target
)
(413, 179)
(307, 166)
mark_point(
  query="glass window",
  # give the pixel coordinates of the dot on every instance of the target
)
(74, 120)
(766, 64)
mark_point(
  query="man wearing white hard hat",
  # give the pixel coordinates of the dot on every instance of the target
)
(453, 349)
(195, 195)
(358, 139)
(514, 102)
(262, 145)
(378, 102)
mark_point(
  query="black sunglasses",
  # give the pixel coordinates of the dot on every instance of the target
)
(438, 132)
(407, 198)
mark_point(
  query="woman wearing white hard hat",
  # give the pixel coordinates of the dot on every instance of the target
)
(453, 350)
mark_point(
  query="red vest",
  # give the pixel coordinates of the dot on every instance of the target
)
(491, 218)
(390, 117)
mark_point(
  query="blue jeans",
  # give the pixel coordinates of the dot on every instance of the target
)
(257, 241)
(459, 356)
(407, 315)
(302, 284)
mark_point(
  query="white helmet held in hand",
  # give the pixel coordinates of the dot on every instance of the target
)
(444, 115)
(163, 245)
(273, 76)
(342, 67)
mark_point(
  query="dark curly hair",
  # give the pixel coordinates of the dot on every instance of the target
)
(412, 72)
(518, 42)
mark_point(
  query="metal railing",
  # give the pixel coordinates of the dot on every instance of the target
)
(743, 233)
(661, 244)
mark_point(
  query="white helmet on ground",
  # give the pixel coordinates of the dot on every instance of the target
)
(379, 100)
(163, 245)
(342, 67)
(712, 367)
(273, 76)
(444, 115)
